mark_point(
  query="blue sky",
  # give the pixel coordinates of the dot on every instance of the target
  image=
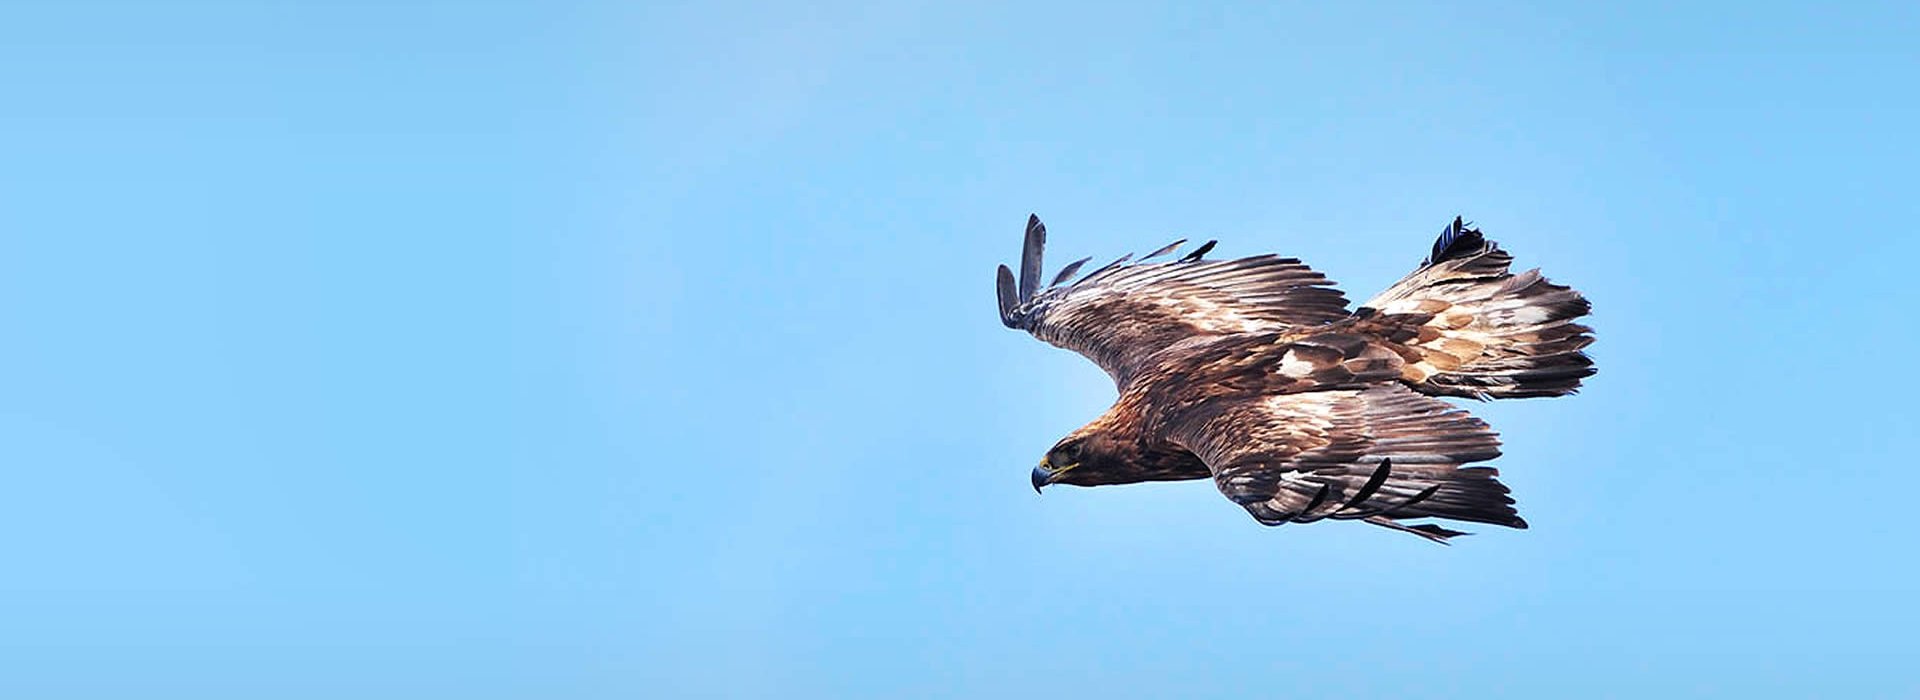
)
(595, 350)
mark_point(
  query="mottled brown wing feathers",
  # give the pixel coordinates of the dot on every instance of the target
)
(1122, 313)
(1382, 454)
(1290, 363)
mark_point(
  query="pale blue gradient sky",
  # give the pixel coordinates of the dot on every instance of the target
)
(607, 350)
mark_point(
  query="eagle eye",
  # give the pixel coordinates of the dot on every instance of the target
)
(1068, 454)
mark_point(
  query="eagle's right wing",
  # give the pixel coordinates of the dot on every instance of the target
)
(1119, 315)
(1381, 453)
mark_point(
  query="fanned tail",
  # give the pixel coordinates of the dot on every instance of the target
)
(1468, 327)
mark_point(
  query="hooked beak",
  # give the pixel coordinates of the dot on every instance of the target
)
(1046, 472)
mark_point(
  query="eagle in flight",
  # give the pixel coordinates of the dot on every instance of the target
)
(1254, 373)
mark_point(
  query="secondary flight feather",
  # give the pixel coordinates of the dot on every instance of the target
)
(1254, 373)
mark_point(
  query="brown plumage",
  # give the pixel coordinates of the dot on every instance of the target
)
(1253, 372)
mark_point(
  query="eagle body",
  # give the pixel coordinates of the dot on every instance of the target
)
(1253, 372)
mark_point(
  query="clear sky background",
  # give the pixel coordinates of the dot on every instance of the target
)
(612, 350)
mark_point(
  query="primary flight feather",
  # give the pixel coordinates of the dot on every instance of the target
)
(1253, 372)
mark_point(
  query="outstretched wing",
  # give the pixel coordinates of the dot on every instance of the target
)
(1382, 453)
(1120, 314)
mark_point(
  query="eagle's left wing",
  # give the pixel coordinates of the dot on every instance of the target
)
(1381, 453)
(1119, 315)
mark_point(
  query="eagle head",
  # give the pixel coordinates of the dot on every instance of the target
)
(1101, 457)
(1077, 459)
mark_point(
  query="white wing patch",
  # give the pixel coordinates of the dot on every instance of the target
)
(1292, 365)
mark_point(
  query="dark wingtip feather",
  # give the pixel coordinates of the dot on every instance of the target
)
(1003, 285)
(1068, 271)
(1424, 494)
(1433, 533)
(1436, 533)
(1455, 240)
(1200, 251)
(1030, 256)
(1103, 268)
(1318, 498)
(1367, 490)
(1168, 248)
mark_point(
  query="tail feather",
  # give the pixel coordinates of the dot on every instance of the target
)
(1466, 326)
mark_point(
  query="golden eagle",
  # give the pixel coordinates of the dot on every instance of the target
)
(1253, 372)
